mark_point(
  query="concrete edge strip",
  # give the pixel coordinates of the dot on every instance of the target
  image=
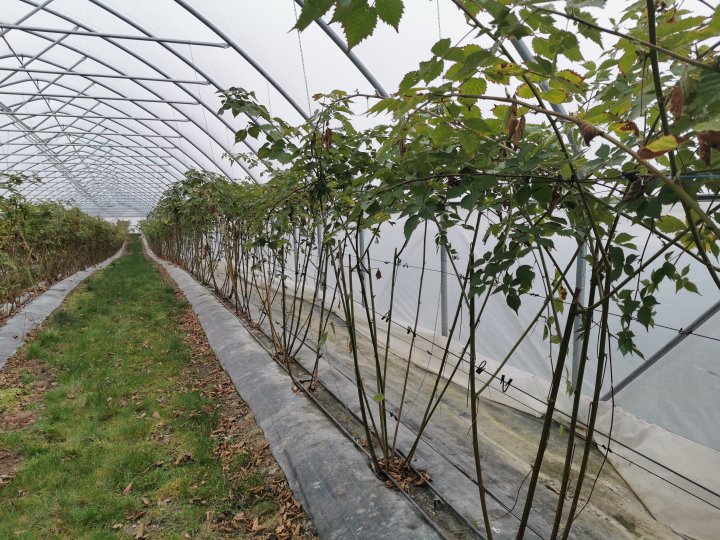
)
(327, 474)
(16, 328)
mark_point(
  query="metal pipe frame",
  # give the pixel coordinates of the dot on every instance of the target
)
(153, 154)
(145, 109)
(80, 189)
(158, 70)
(86, 132)
(86, 96)
(98, 124)
(103, 76)
(80, 29)
(84, 145)
(111, 36)
(133, 118)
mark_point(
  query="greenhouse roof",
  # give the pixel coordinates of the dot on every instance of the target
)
(110, 101)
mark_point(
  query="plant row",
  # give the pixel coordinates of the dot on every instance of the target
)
(41, 243)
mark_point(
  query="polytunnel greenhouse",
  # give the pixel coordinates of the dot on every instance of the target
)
(360, 269)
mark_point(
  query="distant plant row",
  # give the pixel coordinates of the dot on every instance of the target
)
(42, 243)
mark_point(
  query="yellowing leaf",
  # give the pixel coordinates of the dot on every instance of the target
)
(661, 146)
(571, 76)
(555, 95)
(524, 91)
(626, 126)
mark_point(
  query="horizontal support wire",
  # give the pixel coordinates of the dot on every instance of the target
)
(87, 33)
(99, 117)
(43, 132)
(104, 75)
(97, 98)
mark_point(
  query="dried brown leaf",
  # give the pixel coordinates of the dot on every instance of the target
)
(676, 102)
(563, 293)
(327, 138)
(711, 138)
(629, 126)
(128, 489)
(705, 153)
(512, 121)
(634, 190)
(587, 130)
(519, 132)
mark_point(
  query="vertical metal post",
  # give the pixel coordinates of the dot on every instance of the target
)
(527, 56)
(361, 252)
(443, 292)
(580, 271)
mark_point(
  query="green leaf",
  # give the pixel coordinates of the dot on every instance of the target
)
(379, 397)
(524, 276)
(474, 86)
(660, 146)
(431, 69)
(627, 61)
(312, 9)
(358, 20)
(390, 11)
(441, 47)
(670, 224)
(410, 225)
(623, 238)
(714, 24)
(626, 342)
(513, 300)
(410, 79)
(442, 134)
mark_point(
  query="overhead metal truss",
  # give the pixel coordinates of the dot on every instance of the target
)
(107, 146)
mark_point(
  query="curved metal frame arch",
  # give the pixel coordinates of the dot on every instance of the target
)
(100, 121)
(152, 66)
(200, 100)
(124, 112)
(147, 110)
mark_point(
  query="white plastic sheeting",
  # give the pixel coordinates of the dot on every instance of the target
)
(662, 431)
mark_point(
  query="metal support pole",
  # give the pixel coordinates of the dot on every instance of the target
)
(361, 252)
(443, 292)
(685, 332)
(581, 264)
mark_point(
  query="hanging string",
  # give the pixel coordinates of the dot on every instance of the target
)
(302, 61)
(267, 85)
(202, 109)
(437, 4)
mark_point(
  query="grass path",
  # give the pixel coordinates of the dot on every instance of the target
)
(116, 421)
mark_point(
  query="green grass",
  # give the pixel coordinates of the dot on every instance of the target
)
(120, 413)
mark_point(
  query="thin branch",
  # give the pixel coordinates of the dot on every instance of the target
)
(651, 46)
